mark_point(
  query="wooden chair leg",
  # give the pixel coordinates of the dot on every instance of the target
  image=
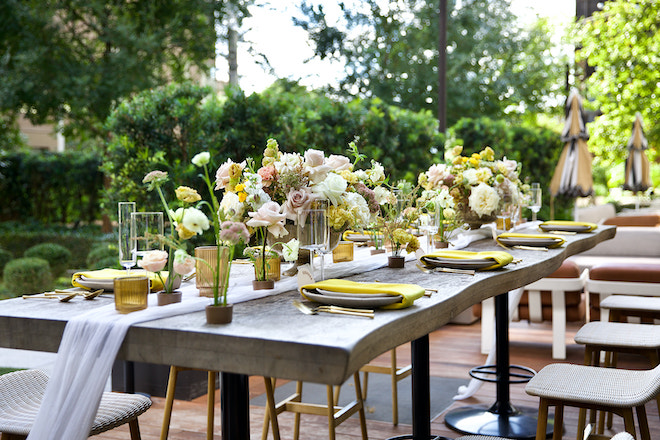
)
(395, 388)
(134, 428)
(210, 405)
(169, 402)
(628, 420)
(643, 423)
(558, 431)
(361, 413)
(270, 414)
(331, 412)
(542, 423)
(4, 436)
(365, 384)
(582, 423)
(296, 419)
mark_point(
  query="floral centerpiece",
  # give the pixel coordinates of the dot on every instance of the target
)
(440, 203)
(185, 222)
(476, 183)
(398, 214)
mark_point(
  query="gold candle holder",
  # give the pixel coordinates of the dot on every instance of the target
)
(343, 252)
(206, 268)
(131, 293)
(272, 269)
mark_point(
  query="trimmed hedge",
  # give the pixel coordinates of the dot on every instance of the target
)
(28, 275)
(58, 256)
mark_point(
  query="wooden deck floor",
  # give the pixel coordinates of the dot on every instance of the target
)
(454, 350)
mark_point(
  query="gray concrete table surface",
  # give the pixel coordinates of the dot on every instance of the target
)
(270, 337)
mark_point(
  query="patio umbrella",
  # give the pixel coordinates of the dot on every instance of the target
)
(637, 164)
(572, 175)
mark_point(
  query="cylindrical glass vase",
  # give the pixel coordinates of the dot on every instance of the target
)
(214, 258)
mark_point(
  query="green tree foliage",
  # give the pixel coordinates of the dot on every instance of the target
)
(622, 43)
(71, 60)
(494, 67)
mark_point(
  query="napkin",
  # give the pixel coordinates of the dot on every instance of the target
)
(499, 258)
(549, 224)
(351, 235)
(410, 292)
(110, 274)
(558, 240)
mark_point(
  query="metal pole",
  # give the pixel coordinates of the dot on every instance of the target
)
(442, 66)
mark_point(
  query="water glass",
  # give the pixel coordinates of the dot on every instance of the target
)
(148, 227)
(131, 293)
(535, 201)
(313, 231)
(127, 242)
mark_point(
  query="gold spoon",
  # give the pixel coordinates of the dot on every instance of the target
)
(63, 299)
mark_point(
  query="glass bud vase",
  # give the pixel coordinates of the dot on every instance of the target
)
(214, 259)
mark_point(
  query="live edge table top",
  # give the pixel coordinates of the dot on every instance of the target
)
(270, 337)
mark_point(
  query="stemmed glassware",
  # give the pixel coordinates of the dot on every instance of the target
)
(535, 201)
(313, 231)
(127, 241)
(430, 224)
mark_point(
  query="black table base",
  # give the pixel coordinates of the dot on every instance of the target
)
(501, 419)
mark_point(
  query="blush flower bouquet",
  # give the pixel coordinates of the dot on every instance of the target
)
(477, 183)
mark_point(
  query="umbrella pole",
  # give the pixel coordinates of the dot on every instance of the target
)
(552, 207)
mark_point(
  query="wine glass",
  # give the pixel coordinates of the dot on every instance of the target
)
(148, 229)
(535, 202)
(127, 242)
(313, 231)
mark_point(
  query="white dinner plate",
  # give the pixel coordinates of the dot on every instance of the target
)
(366, 301)
(358, 238)
(456, 263)
(528, 241)
(564, 228)
(90, 283)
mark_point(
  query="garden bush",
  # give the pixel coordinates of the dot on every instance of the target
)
(103, 255)
(58, 256)
(5, 257)
(27, 275)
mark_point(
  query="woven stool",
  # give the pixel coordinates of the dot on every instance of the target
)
(623, 306)
(336, 415)
(613, 338)
(620, 279)
(595, 388)
(20, 398)
(169, 402)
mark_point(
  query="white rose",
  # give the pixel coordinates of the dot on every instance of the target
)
(384, 196)
(358, 208)
(331, 188)
(338, 163)
(289, 163)
(471, 176)
(314, 158)
(268, 215)
(483, 200)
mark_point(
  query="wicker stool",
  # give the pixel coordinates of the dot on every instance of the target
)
(613, 338)
(624, 306)
(20, 398)
(169, 402)
(336, 415)
(595, 388)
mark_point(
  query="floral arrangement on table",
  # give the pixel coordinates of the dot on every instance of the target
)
(398, 214)
(476, 183)
(185, 222)
(269, 197)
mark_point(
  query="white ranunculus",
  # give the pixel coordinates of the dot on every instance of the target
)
(384, 195)
(483, 200)
(471, 176)
(331, 188)
(289, 163)
(290, 249)
(195, 220)
(201, 159)
(232, 207)
(444, 198)
(376, 173)
(361, 175)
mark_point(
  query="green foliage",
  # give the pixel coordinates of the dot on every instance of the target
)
(5, 257)
(622, 44)
(10, 135)
(50, 187)
(71, 60)
(28, 275)
(537, 149)
(494, 67)
(16, 237)
(164, 128)
(58, 256)
(103, 255)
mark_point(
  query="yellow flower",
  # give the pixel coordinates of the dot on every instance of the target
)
(242, 196)
(187, 194)
(240, 187)
(349, 176)
(235, 171)
(457, 150)
(474, 161)
(488, 154)
(184, 233)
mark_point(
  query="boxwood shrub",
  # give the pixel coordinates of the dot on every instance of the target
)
(27, 276)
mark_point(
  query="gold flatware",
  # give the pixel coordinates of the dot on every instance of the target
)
(333, 309)
(531, 248)
(52, 295)
(445, 269)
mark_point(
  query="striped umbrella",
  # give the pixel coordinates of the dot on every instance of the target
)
(572, 176)
(637, 164)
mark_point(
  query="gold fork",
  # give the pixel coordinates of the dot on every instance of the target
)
(365, 313)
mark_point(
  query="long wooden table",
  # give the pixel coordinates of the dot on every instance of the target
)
(270, 337)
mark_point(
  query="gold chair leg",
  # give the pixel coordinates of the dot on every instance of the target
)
(361, 413)
(558, 431)
(331, 412)
(628, 420)
(582, 423)
(395, 389)
(169, 402)
(210, 405)
(542, 422)
(270, 414)
(296, 418)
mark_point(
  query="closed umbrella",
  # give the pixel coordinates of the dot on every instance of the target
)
(572, 175)
(637, 164)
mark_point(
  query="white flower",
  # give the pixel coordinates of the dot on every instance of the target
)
(269, 216)
(384, 195)
(195, 220)
(437, 173)
(257, 197)
(331, 188)
(289, 163)
(315, 166)
(361, 175)
(376, 174)
(444, 198)
(483, 200)
(290, 249)
(338, 163)
(358, 207)
(201, 159)
(231, 207)
(471, 176)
